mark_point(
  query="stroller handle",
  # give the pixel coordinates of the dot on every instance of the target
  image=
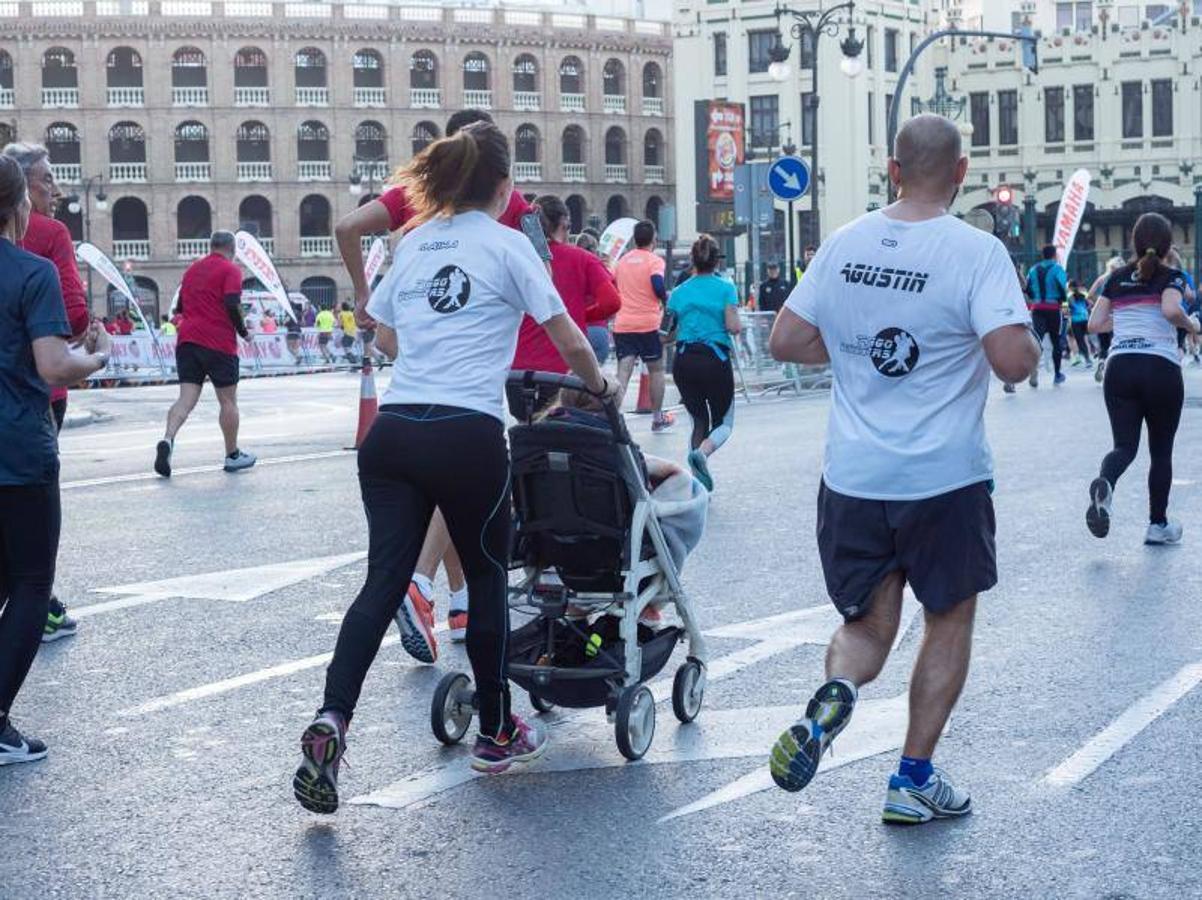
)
(530, 379)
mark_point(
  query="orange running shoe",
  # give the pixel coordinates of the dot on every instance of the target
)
(415, 618)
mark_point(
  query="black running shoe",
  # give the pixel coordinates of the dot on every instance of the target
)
(162, 458)
(1097, 517)
(16, 748)
(797, 752)
(315, 783)
(58, 623)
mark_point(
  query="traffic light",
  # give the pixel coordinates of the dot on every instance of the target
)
(1006, 217)
(1003, 195)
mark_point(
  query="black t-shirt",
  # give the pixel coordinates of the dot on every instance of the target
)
(773, 294)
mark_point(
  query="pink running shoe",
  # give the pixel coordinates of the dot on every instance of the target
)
(519, 743)
(315, 783)
(415, 618)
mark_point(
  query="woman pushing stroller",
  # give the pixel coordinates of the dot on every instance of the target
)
(448, 310)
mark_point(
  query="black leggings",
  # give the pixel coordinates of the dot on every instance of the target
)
(416, 458)
(1047, 321)
(1081, 336)
(1142, 388)
(1104, 339)
(707, 389)
(30, 519)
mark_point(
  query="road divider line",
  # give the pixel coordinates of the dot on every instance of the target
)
(197, 470)
(1127, 726)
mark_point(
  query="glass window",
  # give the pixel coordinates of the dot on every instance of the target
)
(1064, 15)
(1007, 118)
(1082, 112)
(1133, 109)
(720, 53)
(1084, 18)
(759, 43)
(1155, 10)
(1016, 22)
(871, 119)
(1162, 108)
(870, 40)
(1053, 115)
(978, 107)
(807, 120)
(888, 108)
(891, 49)
(765, 119)
(1128, 16)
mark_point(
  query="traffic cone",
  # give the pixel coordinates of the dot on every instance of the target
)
(367, 402)
(644, 402)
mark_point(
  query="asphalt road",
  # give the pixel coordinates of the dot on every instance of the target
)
(173, 716)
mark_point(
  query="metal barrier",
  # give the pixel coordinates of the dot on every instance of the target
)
(758, 374)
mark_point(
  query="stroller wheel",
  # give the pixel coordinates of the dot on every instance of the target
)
(452, 708)
(543, 706)
(688, 690)
(634, 724)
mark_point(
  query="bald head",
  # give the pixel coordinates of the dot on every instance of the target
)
(927, 154)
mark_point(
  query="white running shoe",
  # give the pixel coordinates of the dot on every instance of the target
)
(1034, 379)
(909, 804)
(1168, 533)
(1097, 517)
(238, 460)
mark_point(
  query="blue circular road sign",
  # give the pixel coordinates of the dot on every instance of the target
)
(789, 178)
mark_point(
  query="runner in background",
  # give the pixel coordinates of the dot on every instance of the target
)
(392, 212)
(1189, 302)
(640, 278)
(598, 331)
(167, 327)
(1142, 304)
(324, 323)
(49, 238)
(1047, 288)
(346, 322)
(1078, 304)
(1112, 265)
(210, 297)
(905, 494)
(294, 334)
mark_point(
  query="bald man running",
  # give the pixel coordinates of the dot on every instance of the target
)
(911, 307)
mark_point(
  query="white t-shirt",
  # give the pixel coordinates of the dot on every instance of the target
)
(455, 296)
(902, 307)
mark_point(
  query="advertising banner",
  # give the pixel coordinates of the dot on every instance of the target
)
(252, 255)
(1070, 213)
(615, 238)
(375, 259)
(724, 148)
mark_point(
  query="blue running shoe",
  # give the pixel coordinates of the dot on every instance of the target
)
(1060, 378)
(797, 752)
(701, 470)
(909, 804)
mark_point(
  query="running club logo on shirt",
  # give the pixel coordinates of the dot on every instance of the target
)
(884, 277)
(894, 352)
(449, 290)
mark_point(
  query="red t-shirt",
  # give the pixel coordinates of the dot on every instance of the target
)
(124, 326)
(578, 276)
(50, 239)
(400, 212)
(202, 300)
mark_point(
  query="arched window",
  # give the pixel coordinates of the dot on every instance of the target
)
(615, 209)
(315, 216)
(146, 293)
(6, 71)
(652, 210)
(653, 80)
(573, 144)
(253, 142)
(189, 68)
(130, 222)
(526, 145)
(653, 148)
(250, 68)
(191, 143)
(613, 79)
(58, 69)
(368, 69)
(127, 143)
(525, 74)
(424, 134)
(423, 70)
(576, 212)
(193, 219)
(312, 142)
(8, 133)
(475, 72)
(62, 140)
(123, 68)
(310, 68)
(615, 147)
(571, 76)
(371, 142)
(320, 290)
(254, 216)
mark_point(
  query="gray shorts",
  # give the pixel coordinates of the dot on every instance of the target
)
(944, 546)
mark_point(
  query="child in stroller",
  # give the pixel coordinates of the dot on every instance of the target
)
(593, 542)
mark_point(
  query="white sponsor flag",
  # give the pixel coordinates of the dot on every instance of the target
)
(94, 257)
(1070, 213)
(615, 238)
(252, 255)
(375, 259)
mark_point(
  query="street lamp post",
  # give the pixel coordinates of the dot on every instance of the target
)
(75, 206)
(815, 23)
(356, 179)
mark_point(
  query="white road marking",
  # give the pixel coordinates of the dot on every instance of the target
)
(195, 470)
(1127, 726)
(237, 585)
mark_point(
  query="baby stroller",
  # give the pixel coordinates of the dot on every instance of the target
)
(593, 557)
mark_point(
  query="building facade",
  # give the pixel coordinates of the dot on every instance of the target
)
(168, 119)
(1117, 93)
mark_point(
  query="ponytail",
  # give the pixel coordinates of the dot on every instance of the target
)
(705, 255)
(457, 173)
(12, 191)
(1152, 240)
